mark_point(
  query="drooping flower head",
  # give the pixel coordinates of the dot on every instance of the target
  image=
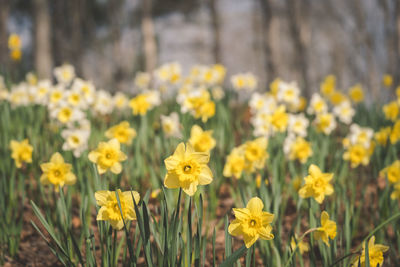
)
(327, 229)
(187, 169)
(108, 156)
(109, 208)
(57, 172)
(252, 222)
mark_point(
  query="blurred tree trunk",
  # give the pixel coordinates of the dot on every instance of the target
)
(267, 34)
(364, 39)
(296, 18)
(43, 56)
(59, 22)
(76, 11)
(215, 30)
(4, 4)
(115, 20)
(149, 41)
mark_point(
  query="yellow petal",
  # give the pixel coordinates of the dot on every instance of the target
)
(241, 214)
(93, 155)
(324, 217)
(70, 178)
(57, 158)
(234, 228)
(255, 205)
(314, 170)
(171, 162)
(205, 177)
(191, 190)
(249, 240)
(101, 197)
(171, 181)
(114, 143)
(265, 233)
(116, 168)
(102, 214)
(180, 151)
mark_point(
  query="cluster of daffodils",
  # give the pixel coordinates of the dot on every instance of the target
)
(196, 101)
(245, 82)
(15, 46)
(280, 111)
(359, 145)
(248, 157)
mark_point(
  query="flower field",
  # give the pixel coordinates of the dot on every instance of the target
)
(198, 169)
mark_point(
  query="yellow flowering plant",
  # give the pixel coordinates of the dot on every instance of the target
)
(252, 222)
(108, 156)
(21, 152)
(122, 132)
(375, 254)
(187, 169)
(327, 230)
(57, 172)
(317, 184)
(202, 141)
(110, 210)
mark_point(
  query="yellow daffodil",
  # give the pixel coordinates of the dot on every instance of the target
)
(16, 54)
(317, 184)
(109, 208)
(252, 222)
(357, 154)
(391, 110)
(301, 150)
(108, 155)
(14, 42)
(187, 169)
(387, 80)
(325, 122)
(235, 163)
(57, 172)
(396, 192)
(356, 93)
(337, 97)
(279, 119)
(255, 154)
(327, 230)
(122, 132)
(274, 86)
(382, 136)
(140, 104)
(395, 133)
(375, 252)
(202, 141)
(21, 152)
(393, 172)
(328, 86)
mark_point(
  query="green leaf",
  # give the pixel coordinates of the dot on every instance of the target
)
(234, 257)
